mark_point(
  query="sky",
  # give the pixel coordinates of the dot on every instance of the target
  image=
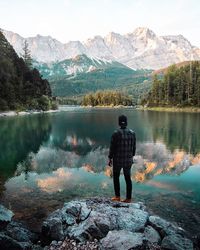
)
(82, 19)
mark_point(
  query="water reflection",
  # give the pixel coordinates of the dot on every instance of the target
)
(58, 157)
(152, 159)
(19, 136)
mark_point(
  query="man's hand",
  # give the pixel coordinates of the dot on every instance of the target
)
(110, 163)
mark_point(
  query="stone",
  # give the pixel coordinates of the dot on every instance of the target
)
(164, 227)
(176, 242)
(7, 243)
(74, 212)
(151, 235)
(52, 229)
(122, 240)
(18, 232)
(5, 216)
(95, 227)
(131, 219)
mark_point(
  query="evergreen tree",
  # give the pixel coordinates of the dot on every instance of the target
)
(27, 55)
(20, 86)
(179, 86)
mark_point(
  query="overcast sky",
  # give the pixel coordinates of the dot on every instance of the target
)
(81, 19)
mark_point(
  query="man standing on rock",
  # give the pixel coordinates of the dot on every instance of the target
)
(122, 150)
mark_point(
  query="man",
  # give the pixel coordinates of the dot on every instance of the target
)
(122, 150)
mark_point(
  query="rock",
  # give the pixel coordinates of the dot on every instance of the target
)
(117, 225)
(131, 219)
(164, 227)
(52, 229)
(122, 240)
(7, 243)
(18, 232)
(176, 242)
(5, 216)
(75, 212)
(151, 235)
(95, 227)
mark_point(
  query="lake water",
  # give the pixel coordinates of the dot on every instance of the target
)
(47, 159)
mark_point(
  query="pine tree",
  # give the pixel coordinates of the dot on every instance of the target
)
(27, 55)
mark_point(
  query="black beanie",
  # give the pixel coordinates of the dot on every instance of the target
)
(122, 121)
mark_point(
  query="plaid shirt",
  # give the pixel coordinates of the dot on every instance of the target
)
(122, 147)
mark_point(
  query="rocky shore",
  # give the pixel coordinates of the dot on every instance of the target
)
(95, 223)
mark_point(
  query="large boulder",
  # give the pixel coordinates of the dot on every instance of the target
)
(122, 240)
(5, 216)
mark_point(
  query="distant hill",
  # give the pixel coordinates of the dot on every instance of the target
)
(81, 75)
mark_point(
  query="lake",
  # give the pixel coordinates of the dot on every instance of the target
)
(47, 159)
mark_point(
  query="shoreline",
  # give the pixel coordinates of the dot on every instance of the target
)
(171, 109)
(12, 113)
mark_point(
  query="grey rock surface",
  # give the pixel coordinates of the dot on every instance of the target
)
(5, 216)
(18, 232)
(164, 227)
(176, 242)
(122, 240)
(151, 235)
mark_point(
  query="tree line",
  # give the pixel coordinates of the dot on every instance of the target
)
(106, 98)
(21, 86)
(179, 87)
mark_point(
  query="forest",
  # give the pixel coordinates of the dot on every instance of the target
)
(21, 86)
(180, 87)
(106, 98)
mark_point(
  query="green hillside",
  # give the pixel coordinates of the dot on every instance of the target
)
(91, 75)
(21, 87)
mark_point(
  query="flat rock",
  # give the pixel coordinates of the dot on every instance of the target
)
(131, 219)
(176, 242)
(122, 240)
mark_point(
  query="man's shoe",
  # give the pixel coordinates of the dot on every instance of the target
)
(127, 200)
(115, 198)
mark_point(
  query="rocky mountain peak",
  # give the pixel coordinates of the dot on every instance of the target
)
(140, 49)
(144, 32)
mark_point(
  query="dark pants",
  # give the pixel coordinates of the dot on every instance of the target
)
(127, 176)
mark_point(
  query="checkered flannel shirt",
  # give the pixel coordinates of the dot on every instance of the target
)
(122, 147)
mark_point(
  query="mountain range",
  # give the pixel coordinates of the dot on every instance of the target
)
(141, 49)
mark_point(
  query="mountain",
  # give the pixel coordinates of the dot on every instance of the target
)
(140, 49)
(73, 66)
(82, 74)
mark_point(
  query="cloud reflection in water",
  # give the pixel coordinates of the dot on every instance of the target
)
(152, 159)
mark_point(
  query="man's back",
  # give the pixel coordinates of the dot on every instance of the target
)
(122, 147)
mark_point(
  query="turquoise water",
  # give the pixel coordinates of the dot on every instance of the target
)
(47, 159)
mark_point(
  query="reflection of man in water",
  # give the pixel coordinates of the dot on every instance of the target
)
(122, 150)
